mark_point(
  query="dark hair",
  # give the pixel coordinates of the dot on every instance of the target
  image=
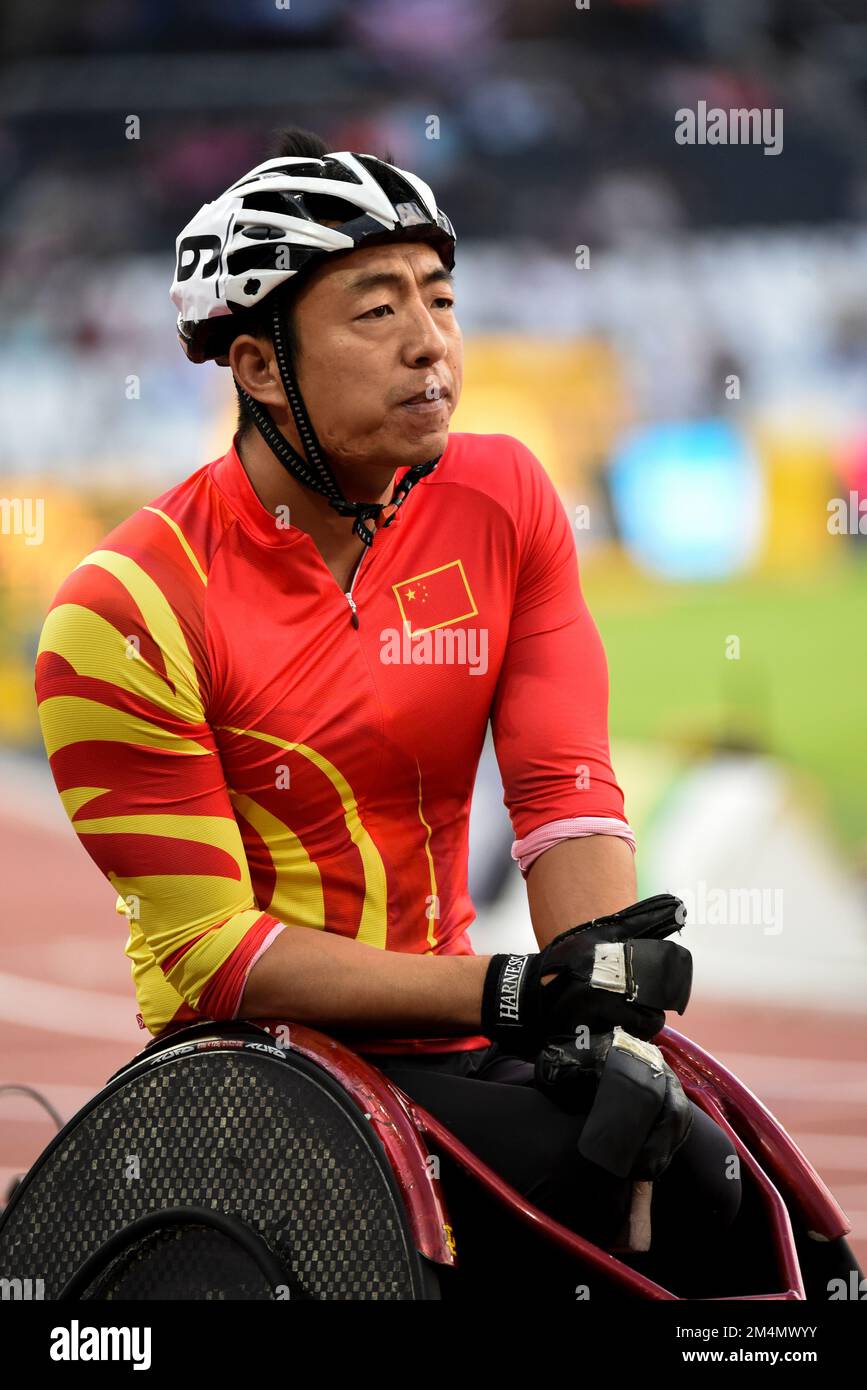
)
(289, 142)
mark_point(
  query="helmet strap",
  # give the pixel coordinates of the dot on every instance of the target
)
(313, 470)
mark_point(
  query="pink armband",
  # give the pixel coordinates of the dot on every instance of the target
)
(526, 851)
(260, 951)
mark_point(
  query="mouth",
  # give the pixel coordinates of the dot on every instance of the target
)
(422, 403)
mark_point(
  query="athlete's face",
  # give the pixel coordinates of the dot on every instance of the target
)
(381, 356)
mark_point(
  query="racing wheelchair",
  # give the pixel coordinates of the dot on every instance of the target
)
(260, 1160)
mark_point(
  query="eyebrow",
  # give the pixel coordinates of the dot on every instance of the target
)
(389, 279)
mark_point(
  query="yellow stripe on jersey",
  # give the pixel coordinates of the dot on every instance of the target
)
(94, 647)
(161, 623)
(158, 1000)
(219, 831)
(433, 907)
(171, 909)
(67, 719)
(170, 521)
(75, 797)
(194, 971)
(297, 893)
(374, 923)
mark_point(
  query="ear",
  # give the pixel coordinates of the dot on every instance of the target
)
(254, 367)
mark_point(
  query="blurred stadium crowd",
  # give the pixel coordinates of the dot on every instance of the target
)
(550, 127)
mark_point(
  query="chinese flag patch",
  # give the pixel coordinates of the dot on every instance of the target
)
(435, 599)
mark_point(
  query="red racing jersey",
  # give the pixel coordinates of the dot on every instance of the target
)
(240, 745)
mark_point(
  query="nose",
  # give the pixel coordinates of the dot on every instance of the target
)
(424, 344)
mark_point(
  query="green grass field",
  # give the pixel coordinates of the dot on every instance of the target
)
(798, 688)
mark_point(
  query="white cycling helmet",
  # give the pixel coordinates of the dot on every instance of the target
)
(269, 225)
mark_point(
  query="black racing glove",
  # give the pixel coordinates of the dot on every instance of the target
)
(638, 1114)
(611, 971)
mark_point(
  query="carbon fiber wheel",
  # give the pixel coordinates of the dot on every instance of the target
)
(303, 1202)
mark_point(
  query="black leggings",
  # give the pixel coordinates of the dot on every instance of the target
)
(488, 1099)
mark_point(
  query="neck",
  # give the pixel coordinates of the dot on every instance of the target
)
(275, 487)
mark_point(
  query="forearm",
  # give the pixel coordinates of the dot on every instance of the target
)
(578, 879)
(326, 980)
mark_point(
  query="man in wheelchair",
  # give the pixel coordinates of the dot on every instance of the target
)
(264, 705)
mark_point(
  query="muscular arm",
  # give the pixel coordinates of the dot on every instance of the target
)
(327, 980)
(332, 981)
(577, 880)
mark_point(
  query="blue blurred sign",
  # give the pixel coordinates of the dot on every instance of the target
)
(689, 499)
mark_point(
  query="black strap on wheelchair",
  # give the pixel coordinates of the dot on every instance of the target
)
(127, 1244)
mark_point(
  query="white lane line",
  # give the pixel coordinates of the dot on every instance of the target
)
(68, 1012)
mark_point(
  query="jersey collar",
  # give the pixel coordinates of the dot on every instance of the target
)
(231, 478)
